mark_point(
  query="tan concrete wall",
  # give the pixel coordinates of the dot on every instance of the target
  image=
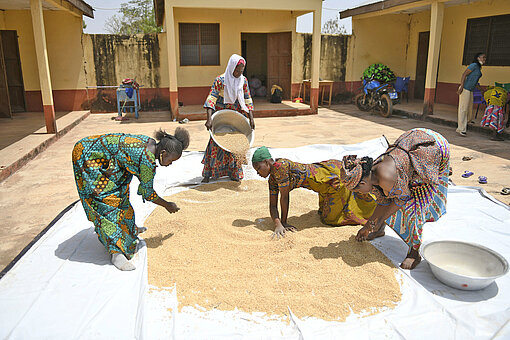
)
(63, 38)
(393, 40)
(232, 24)
(111, 58)
(333, 57)
(381, 39)
(452, 44)
(144, 57)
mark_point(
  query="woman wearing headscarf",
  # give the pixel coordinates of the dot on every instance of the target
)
(229, 91)
(337, 205)
(410, 182)
(468, 82)
(103, 168)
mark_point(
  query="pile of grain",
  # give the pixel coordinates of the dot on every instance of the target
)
(218, 250)
(236, 142)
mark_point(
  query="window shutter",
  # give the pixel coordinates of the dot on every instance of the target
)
(490, 35)
(189, 46)
(499, 51)
(209, 44)
(477, 32)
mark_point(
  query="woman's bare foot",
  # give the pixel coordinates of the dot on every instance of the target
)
(205, 180)
(411, 261)
(121, 262)
(377, 233)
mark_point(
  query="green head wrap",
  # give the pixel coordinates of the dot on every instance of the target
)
(261, 154)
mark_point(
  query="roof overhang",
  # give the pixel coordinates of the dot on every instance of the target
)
(76, 7)
(396, 6)
(299, 7)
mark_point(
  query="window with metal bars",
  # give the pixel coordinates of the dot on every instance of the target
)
(490, 35)
(199, 44)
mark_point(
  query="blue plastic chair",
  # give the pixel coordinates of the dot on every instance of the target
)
(125, 102)
(402, 85)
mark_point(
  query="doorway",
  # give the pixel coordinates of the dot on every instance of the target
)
(254, 50)
(421, 65)
(268, 58)
(12, 89)
(279, 61)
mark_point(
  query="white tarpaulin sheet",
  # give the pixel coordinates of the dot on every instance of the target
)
(65, 288)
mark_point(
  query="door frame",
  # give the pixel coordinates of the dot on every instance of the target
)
(289, 95)
(18, 56)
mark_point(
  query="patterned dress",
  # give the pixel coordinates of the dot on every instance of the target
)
(494, 116)
(422, 158)
(337, 205)
(103, 168)
(218, 162)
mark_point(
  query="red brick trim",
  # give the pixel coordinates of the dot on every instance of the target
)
(49, 118)
(428, 101)
(174, 103)
(314, 99)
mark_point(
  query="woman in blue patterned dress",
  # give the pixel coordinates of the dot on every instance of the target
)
(410, 182)
(229, 91)
(103, 168)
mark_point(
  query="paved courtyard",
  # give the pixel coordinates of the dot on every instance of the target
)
(33, 196)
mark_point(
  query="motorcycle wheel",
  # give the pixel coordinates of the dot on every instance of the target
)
(359, 102)
(385, 106)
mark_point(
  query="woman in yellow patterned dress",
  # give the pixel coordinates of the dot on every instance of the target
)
(337, 205)
(103, 168)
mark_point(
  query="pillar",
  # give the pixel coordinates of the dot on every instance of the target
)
(316, 58)
(42, 65)
(436, 28)
(172, 60)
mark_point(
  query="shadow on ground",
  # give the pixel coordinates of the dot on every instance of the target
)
(83, 247)
(305, 221)
(343, 250)
(156, 241)
(21, 125)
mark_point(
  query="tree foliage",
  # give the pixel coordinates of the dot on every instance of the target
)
(333, 26)
(134, 17)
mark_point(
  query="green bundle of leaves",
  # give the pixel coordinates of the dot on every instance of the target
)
(379, 72)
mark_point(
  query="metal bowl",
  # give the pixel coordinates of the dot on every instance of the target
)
(225, 121)
(463, 265)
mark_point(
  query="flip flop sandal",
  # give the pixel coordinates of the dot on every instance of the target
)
(467, 174)
(467, 158)
(505, 191)
(482, 179)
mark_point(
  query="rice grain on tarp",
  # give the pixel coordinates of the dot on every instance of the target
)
(218, 250)
(236, 142)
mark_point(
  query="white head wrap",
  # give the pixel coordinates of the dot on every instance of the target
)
(233, 88)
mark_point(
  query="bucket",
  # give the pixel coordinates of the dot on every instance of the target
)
(228, 121)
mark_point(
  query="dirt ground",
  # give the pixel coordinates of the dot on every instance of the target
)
(32, 197)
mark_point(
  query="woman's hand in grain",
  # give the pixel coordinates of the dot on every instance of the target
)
(363, 233)
(171, 207)
(281, 229)
(289, 227)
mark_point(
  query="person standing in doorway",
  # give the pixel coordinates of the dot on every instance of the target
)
(469, 80)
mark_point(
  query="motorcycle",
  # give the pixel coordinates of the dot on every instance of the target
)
(376, 96)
